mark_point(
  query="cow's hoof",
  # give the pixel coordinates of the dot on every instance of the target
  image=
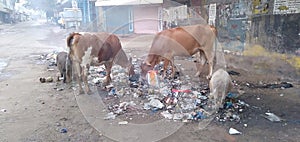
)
(105, 83)
(197, 74)
(208, 77)
(89, 92)
(81, 92)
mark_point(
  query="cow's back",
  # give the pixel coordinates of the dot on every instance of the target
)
(179, 41)
(83, 41)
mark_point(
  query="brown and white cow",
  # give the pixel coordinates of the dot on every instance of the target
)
(94, 49)
(181, 41)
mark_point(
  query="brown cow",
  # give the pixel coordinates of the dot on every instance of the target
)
(181, 41)
(91, 49)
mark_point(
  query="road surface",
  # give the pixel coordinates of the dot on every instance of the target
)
(34, 111)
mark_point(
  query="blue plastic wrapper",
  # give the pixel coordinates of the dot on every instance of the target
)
(232, 95)
(199, 115)
(228, 105)
(63, 130)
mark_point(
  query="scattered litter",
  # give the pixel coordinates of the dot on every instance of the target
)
(42, 80)
(58, 124)
(233, 131)
(123, 123)
(152, 78)
(167, 114)
(232, 95)
(178, 116)
(48, 79)
(181, 91)
(50, 69)
(110, 116)
(272, 117)
(112, 91)
(134, 85)
(3, 110)
(63, 130)
(59, 89)
(109, 86)
(232, 109)
(233, 73)
(281, 95)
(97, 80)
(156, 104)
(134, 78)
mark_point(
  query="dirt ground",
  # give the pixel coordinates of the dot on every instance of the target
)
(37, 111)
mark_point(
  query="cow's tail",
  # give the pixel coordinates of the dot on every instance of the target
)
(71, 39)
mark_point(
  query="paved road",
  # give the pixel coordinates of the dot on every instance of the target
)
(36, 111)
(21, 94)
(32, 111)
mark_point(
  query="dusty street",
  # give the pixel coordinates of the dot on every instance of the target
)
(34, 111)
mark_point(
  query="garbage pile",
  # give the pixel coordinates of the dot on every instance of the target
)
(179, 99)
(232, 109)
(48, 58)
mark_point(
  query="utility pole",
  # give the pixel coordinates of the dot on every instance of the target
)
(203, 10)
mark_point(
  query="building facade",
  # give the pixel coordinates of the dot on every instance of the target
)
(131, 16)
(6, 11)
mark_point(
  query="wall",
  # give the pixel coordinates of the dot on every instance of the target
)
(279, 33)
(146, 19)
(276, 25)
(233, 23)
(116, 19)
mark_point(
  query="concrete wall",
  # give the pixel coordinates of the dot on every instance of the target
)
(146, 19)
(232, 22)
(116, 19)
(279, 33)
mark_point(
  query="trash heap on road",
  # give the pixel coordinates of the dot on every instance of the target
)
(178, 99)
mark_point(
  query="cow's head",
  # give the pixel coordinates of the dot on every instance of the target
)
(145, 67)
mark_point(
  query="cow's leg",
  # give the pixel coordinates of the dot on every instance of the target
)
(79, 77)
(209, 57)
(68, 75)
(108, 66)
(64, 76)
(200, 63)
(85, 79)
(172, 67)
(166, 64)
